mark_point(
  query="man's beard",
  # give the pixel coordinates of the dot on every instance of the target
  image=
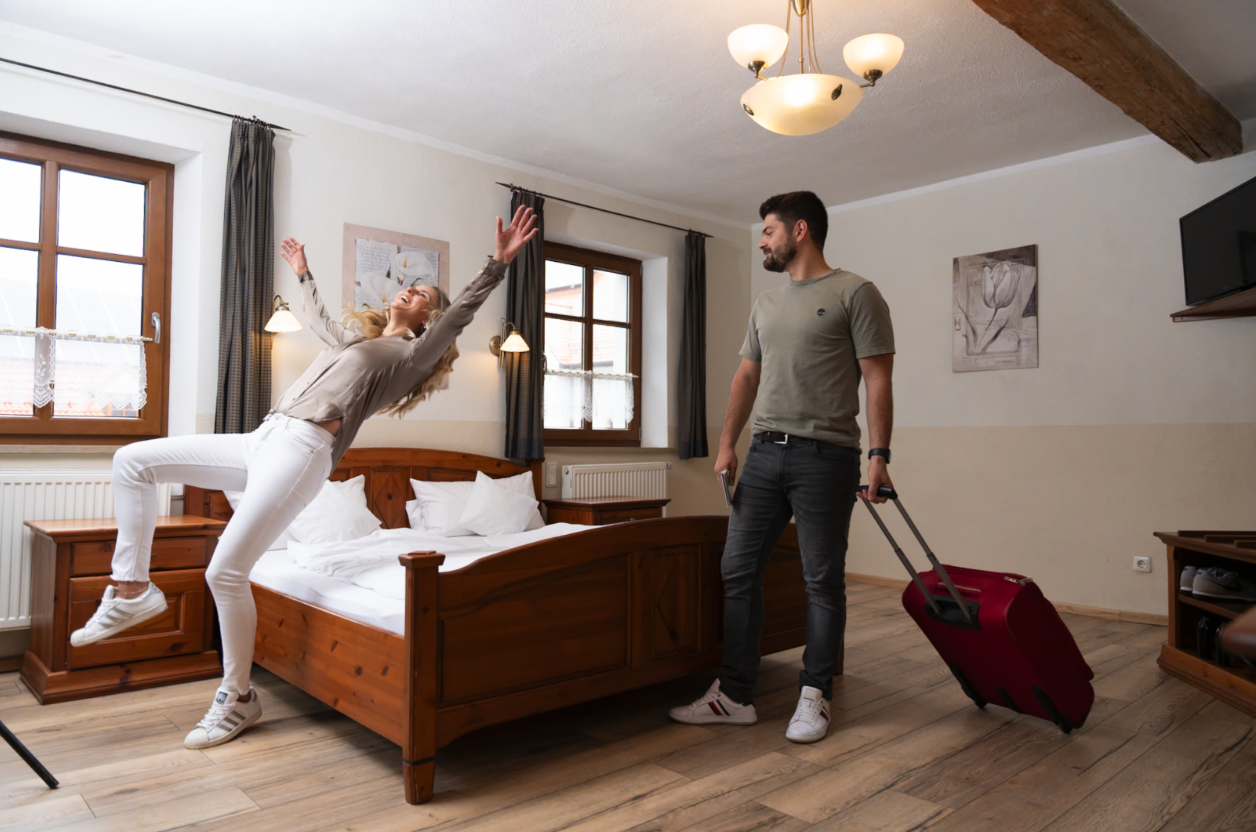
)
(778, 259)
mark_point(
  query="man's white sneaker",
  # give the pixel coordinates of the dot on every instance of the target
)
(117, 614)
(714, 708)
(227, 718)
(811, 718)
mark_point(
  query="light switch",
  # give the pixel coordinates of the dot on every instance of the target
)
(551, 475)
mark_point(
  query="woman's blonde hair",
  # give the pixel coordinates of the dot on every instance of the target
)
(370, 323)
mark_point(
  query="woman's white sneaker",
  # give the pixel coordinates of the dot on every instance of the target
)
(117, 614)
(811, 718)
(227, 719)
(714, 708)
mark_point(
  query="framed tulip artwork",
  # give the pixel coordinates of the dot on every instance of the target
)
(378, 264)
(995, 309)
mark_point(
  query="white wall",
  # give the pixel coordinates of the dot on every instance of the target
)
(329, 172)
(1131, 424)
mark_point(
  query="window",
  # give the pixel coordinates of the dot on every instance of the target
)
(592, 348)
(84, 249)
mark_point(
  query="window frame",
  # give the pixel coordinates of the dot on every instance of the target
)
(585, 436)
(158, 178)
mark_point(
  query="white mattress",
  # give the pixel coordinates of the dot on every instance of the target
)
(363, 580)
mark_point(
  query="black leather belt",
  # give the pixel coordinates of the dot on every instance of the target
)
(778, 438)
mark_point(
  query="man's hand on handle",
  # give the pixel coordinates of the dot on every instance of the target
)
(513, 238)
(878, 475)
(294, 253)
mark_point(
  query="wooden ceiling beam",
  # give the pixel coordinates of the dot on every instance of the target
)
(1101, 45)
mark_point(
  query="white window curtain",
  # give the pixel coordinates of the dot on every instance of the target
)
(86, 373)
(604, 399)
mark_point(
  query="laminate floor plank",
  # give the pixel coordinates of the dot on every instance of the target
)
(1221, 710)
(749, 817)
(179, 813)
(846, 784)
(1157, 785)
(1078, 624)
(52, 810)
(1046, 790)
(885, 811)
(1162, 709)
(1227, 803)
(1133, 681)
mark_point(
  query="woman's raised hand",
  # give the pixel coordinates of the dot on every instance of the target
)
(512, 238)
(294, 253)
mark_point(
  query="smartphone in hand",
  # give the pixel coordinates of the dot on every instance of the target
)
(728, 495)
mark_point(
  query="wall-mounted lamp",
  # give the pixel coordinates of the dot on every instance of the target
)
(509, 341)
(281, 319)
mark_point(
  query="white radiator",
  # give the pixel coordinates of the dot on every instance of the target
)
(45, 495)
(632, 479)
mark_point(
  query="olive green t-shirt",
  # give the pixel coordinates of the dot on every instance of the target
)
(809, 336)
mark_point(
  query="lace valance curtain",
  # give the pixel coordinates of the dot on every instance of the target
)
(604, 399)
(85, 372)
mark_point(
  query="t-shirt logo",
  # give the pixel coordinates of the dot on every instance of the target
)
(820, 312)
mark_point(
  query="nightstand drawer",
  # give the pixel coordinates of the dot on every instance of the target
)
(179, 630)
(628, 514)
(95, 558)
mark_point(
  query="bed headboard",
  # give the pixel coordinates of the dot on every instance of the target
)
(388, 473)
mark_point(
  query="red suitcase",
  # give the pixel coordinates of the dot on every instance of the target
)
(1000, 636)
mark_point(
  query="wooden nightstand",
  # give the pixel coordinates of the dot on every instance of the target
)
(70, 566)
(602, 511)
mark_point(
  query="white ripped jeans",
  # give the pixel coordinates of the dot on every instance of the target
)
(280, 467)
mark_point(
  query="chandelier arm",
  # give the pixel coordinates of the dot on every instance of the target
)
(789, 12)
(815, 53)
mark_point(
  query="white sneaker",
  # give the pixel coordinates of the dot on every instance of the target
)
(811, 719)
(714, 708)
(117, 614)
(227, 718)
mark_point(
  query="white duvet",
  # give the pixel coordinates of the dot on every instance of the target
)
(371, 562)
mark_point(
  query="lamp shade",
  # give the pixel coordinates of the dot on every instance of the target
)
(283, 321)
(515, 343)
(873, 52)
(758, 42)
(799, 105)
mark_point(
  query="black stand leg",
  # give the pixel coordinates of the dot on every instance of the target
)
(29, 758)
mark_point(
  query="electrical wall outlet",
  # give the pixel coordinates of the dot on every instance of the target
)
(551, 475)
(1142, 564)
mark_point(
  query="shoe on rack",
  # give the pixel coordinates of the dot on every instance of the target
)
(226, 720)
(1224, 585)
(811, 718)
(714, 708)
(117, 614)
(1187, 583)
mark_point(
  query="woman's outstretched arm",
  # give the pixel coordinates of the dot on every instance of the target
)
(428, 349)
(324, 327)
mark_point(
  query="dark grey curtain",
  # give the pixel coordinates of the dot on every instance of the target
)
(525, 371)
(248, 279)
(693, 424)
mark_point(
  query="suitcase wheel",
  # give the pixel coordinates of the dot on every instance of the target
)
(968, 689)
(1060, 720)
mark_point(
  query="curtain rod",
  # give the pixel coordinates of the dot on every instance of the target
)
(603, 210)
(137, 92)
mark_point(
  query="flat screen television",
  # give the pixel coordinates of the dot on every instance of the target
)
(1219, 245)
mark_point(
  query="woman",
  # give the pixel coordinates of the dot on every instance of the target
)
(398, 358)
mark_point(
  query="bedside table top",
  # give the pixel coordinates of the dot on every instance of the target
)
(609, 502)
(103, 525)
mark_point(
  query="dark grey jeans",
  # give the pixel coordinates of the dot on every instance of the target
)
(813, 482)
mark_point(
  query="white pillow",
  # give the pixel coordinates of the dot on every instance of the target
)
(354, 488)
(333, 516)
(440, 507)
(495, 508)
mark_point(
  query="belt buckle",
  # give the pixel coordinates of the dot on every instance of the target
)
(784, 441)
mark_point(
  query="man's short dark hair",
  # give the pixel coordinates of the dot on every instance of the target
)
(799, 205)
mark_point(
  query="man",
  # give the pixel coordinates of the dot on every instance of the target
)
(807, 346)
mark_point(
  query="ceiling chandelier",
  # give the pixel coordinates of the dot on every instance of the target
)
(810, 101)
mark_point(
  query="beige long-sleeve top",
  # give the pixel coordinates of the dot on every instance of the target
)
(355, 376)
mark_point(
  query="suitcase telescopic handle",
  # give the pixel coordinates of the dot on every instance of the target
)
(891, 494)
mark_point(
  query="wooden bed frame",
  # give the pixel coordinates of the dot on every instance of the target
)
(524, 631)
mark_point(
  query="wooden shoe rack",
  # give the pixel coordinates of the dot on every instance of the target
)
(1235, 551)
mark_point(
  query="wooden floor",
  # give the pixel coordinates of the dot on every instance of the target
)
(906, 751)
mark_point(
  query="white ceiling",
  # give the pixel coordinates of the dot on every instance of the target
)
(643, 96)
